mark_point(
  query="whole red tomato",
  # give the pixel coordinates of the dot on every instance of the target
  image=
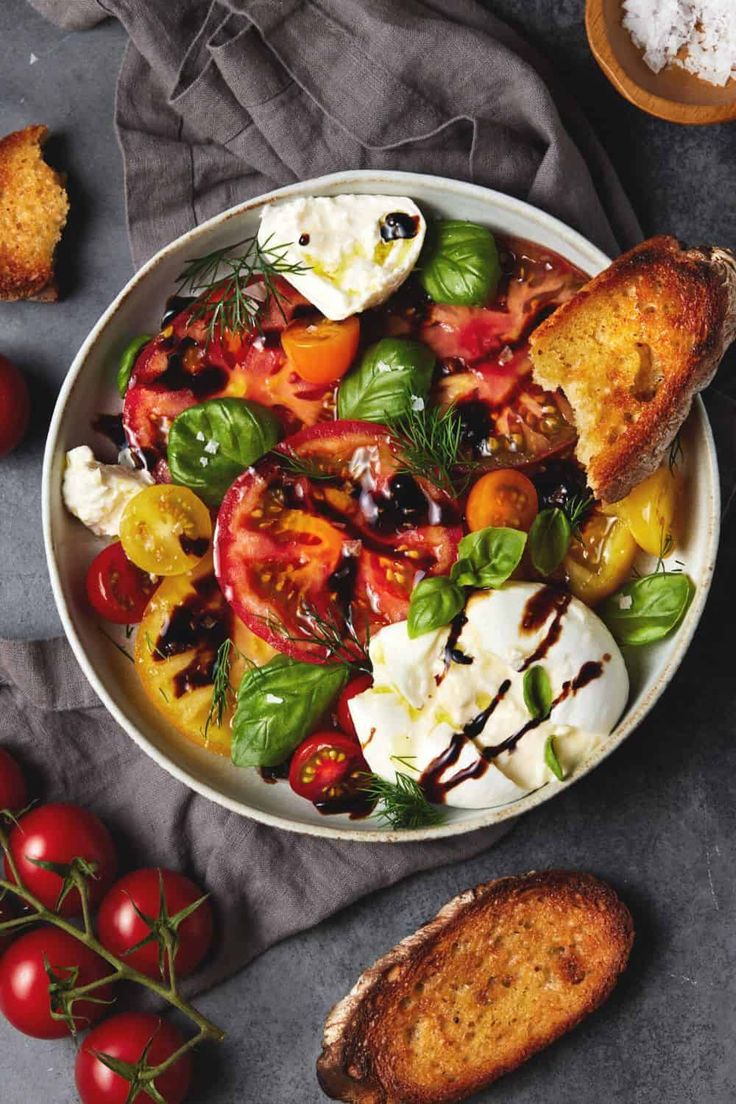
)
(13, 789)
(119, 926)
(116, 588)
(125, 1037)
(58, 833)
(24, 984)
(354, 687)
(15, 406)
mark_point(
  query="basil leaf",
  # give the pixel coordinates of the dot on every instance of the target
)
(434, 603)
(487, 557)
(278, 706)
(649, 608)
(551, 760)
(127, 361)
(391, 374)
(549, 539)
(537, 691)
(459, 263)
(212, 443)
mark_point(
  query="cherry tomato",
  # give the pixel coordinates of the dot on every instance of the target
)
(58, 833)
(601, 561)
(15, 406)
(24, 984)
(120, 927)
(649, 511)
(116, 588)
(342, 711)
(321, 351)
(125, 1037)
(327, 767)
(13, 789)
(503, 498)
(165, 529)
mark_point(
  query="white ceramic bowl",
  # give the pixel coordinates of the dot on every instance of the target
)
(90, 388)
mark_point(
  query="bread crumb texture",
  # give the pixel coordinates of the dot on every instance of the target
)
(33, 212)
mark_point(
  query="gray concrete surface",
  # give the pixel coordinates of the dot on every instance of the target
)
(657, 819)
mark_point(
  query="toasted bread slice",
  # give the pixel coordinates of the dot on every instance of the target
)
(502, 971)
(33, 210)
(630, 351)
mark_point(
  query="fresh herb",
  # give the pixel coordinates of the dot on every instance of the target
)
(459, 263)
(393, 375)
(303, 466)
(221, 686)
(666, 544)
(551, 760)
(115, 644)
(549, 539)
(164, 695)
(537, 692)
(676, 454)
(127, 361)
(153, 649)
(278, 705)
(430, 441)
(404, 761)
(488, 557)
(335, 635)
(402, 803)
(649, 608)
(434, 603)
(235, 286)
(576, 510)
(210, 444)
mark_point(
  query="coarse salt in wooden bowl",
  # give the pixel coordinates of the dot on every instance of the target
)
(672, 94)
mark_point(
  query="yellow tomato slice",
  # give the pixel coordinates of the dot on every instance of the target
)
(321, 351)
(166, 530)
(649, 511)
(601, 561)
(185, 623)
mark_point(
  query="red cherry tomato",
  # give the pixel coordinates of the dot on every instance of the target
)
(125, 1037)
(354, 687)
(13, 789)
(116, 588)
(327, 768)
(24, 984)
(15, 406)
(120, 927)
(58, 834)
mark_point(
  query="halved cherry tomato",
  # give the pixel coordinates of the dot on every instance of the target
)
(165, 529)
(328, 768)
(321, 351)
(601, 561)
(13, 789)
(125, 1038)
(15, 406)
(649, 511)
(117, 589)
(503, 498)
(342, 711)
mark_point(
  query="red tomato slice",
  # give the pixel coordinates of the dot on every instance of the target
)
(335, 534)
(328, 769)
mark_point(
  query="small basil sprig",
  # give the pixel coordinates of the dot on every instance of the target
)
(212, 443)
(278, 705)
(551, 760)
(459, 263)
(649, 608)
(488, 557)
(549, 539)
(127, 361)
(434, 603)
(537, 691)
(391, 375)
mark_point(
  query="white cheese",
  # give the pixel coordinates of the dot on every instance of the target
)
(98, 493)
(348, 265)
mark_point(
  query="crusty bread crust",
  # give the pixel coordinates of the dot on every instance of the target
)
(33, 212)
(630, 351)
(501, 972)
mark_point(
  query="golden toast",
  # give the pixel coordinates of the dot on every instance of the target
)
(630, 351)
(33, 211)
(501, 971)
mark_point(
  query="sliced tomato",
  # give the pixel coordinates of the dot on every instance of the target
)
(332, 536)
(328, 769)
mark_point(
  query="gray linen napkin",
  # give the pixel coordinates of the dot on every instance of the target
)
(218, 101)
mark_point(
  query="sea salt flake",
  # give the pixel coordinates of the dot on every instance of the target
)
(625, 601)
(696, 35)
(212, 447)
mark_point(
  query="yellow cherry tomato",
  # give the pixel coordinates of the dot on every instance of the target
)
(600, 562)
(503, 498)
(649, 511)
(165, 529)
(321, 351)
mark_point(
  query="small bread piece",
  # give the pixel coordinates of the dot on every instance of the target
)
(33, 211)
(630, 351)
(502, 971)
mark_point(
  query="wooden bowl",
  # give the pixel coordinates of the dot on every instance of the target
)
(672, 94)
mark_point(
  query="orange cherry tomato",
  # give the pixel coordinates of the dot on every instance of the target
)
(321, 351)
(503, 498)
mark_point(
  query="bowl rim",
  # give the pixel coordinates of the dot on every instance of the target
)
(484, 818)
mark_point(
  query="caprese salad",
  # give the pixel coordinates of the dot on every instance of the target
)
(350, 529)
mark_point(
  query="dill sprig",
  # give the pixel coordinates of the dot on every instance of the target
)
(576, 510)
(243, 282)
(336, 635)
(303, 465)
(221, 685)
(676, 454)
(430, 441)
(115, 644)
(402, 803)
